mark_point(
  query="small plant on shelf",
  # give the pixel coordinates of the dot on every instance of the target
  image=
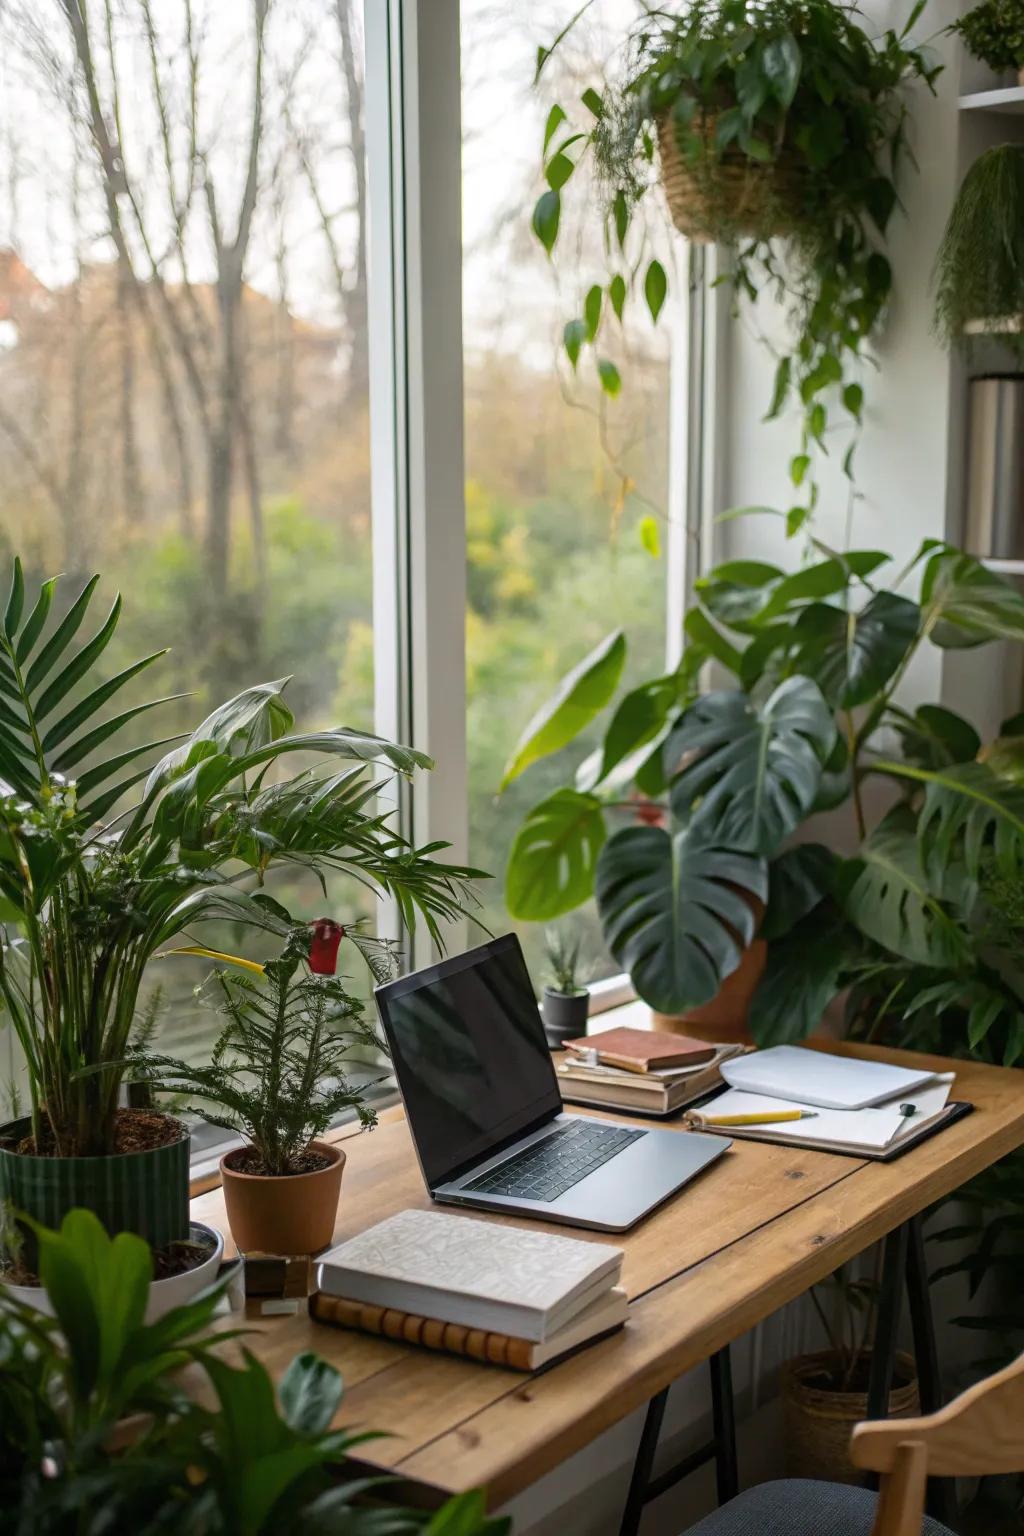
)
(279, 1076)
(979, 272)
(566, 1000)
(994, 33)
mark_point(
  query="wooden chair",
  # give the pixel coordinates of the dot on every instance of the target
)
(979, 1434)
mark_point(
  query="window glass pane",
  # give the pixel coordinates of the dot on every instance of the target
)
(559, 478)
(183, 354)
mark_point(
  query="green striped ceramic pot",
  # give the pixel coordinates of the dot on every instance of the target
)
(143, 1192)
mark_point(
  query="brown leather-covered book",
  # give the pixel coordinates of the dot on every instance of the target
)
(602, 1317)
(644, 1050)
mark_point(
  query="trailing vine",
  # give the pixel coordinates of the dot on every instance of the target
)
(776, 128)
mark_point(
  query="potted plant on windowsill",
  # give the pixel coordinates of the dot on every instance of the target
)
(566, 1001)
(97, 876)
(278, 1078)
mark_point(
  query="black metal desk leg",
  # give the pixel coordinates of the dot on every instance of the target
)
(941, 1500)
(724, 1421)
(636, 1498)
(883, 1355)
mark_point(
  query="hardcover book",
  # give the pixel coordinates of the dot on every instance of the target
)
(462, 1269)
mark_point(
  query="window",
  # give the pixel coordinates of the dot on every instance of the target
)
(183, 349)
(560, 480)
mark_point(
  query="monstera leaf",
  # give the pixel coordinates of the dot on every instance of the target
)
(852, 656)
(750, 774)
(674, 912)
(47, 724)
(551, 865)
(803, 973)
(969, 813)
(890, 899)
(965, 604)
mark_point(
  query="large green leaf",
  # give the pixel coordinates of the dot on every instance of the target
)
(553, 857)
(748, 594)
(964, 603)
(798, 880)
(736, 592)
(637, 720)
(673, 914)
(889, 898)
(42, 704)
(581, 695)
(935, 737)
(802, 974)
(750, 773)
(852, 656)
(968, 813)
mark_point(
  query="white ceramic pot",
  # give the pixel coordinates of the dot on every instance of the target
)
(164, 1295)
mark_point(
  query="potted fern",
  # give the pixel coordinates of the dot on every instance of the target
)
(278, 1077)
(104, 862)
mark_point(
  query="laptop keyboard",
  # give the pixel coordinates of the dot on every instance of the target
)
(550, 1167)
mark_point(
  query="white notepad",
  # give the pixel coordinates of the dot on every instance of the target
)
(822, 1080)
(839, 1130)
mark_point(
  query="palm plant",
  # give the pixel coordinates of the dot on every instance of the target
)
(818, 656)
(98, 874)
(278, 1073)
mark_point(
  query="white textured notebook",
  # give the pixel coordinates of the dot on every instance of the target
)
(461, 1269)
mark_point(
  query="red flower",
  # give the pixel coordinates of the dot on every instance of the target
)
(323, 946)
(650, 814)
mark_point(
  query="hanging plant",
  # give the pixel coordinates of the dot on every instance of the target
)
(979, 273)
(994, 33)
(776, 127)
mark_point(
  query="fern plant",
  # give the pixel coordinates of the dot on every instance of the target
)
(279, 1070)
(979, 272)
(106, 857)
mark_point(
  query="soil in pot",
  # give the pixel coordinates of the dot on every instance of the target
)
(285, 1214)
(820, 1409)
(135, 1130)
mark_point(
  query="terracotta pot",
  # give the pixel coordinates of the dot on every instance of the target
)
(723, 1021)
(289, 1215)
(818, 1421)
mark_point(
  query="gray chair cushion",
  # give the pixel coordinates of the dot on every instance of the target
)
(793, 1507)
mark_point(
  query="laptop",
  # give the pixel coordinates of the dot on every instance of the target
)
(485, 1111)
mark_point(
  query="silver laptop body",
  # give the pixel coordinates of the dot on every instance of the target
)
(484, 1109)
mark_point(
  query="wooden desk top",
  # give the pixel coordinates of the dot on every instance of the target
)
(757, 1229)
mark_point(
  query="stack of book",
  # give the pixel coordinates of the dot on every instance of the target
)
(506, 1295)
(643, 1071)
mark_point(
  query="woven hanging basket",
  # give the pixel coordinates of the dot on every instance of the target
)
(818, 1422)
(722, 197)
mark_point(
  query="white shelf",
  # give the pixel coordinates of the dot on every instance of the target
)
(1010, 100)
(1005, 567)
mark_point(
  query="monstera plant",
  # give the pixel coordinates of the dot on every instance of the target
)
(114, 847)
(692, 824)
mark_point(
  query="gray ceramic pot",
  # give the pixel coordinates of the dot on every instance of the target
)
(565, 1015)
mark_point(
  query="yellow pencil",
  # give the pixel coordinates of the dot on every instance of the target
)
(763, 1117)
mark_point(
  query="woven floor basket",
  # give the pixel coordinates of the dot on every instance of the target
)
(727, 197)
(817, 1423)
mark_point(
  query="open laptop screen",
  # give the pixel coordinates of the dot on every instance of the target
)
(470, 1056)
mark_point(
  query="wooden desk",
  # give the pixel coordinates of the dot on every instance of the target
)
(756, 1230)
